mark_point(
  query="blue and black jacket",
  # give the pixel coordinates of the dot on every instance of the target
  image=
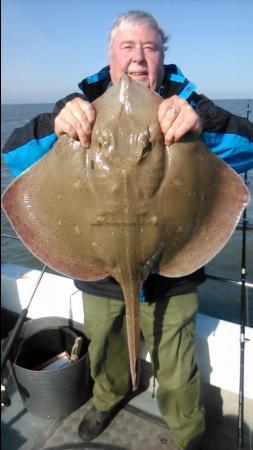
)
(228, 136)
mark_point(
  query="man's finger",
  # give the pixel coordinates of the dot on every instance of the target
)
(78, 116)
(90, 112)
(171, 133)
(82, 135)
(64, 126)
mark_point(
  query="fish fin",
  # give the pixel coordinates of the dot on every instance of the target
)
(211, 212)
(50, 205)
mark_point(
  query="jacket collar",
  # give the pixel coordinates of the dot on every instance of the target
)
(95, 85)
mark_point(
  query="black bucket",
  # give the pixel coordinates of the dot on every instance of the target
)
(51, 392)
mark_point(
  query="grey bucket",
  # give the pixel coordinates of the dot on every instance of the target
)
(54, 393)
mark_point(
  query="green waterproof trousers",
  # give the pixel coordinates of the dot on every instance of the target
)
(168, 327)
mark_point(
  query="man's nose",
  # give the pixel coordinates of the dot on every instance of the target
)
(138, 54)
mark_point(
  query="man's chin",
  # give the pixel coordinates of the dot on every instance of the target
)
(141, 79)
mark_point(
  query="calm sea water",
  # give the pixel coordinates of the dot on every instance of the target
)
(217, 299)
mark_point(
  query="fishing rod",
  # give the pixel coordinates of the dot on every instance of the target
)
(11, 236)
(240, 437)
(13, 337)
(242, 333)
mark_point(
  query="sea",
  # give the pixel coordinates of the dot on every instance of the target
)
(218, 298)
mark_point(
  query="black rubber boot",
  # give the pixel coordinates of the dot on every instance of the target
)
(94, 422)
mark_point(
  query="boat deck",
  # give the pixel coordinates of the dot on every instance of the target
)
(130, 429)
(137, 426)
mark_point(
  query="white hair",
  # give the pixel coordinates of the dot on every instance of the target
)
(136, 18)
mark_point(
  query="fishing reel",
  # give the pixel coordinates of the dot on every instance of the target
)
(5, 398)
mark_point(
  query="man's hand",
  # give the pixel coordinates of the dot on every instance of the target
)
(177, 117)
(76, 119)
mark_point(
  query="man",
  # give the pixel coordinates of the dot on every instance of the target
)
(169, 306)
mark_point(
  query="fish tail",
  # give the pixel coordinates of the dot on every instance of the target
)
(131, 298)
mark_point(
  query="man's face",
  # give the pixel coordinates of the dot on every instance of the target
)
(138, 51)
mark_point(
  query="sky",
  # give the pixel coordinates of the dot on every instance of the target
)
(49, 46)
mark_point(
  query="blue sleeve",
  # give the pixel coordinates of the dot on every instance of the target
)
(28, 144)
(228, 136)
(235, 150)
(22, 157)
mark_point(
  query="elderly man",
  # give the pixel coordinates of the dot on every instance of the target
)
(135, 48)
(169, 306)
